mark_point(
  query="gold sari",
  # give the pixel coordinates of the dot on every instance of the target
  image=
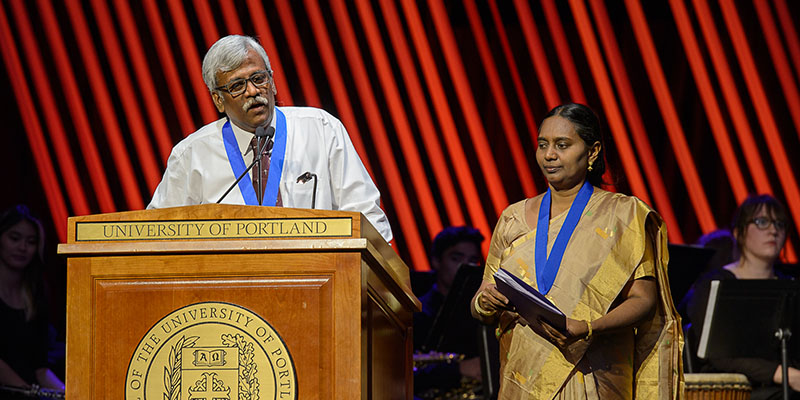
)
(618, 239)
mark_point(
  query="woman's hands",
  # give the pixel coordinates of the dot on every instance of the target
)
(492, 300)
(636, 302)
(576, 330)
(487, 302)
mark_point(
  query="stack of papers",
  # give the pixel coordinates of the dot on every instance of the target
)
(529, 303)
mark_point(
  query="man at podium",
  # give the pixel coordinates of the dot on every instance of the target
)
(313, 162)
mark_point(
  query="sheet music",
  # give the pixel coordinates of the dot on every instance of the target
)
(712, 301)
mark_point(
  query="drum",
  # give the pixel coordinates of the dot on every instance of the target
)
(717, 387)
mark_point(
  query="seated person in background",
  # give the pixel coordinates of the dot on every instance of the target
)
(203, 166)
(452, 248)
(24, 335)
(723, 242)
(759, 227)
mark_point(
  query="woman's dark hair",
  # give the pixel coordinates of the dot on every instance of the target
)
(32, 277)
(748, 210)
(587, 126)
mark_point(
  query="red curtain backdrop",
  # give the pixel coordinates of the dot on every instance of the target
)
(700, 99)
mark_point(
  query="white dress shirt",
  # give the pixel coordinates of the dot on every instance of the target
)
(198, 170)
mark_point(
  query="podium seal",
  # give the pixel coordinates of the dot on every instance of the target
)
(208, 351)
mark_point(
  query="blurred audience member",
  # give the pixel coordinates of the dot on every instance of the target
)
(24, 335)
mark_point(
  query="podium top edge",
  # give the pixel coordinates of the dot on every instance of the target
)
(212, 211)
(212, 246)
(217, 221)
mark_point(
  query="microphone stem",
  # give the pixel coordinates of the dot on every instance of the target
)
(261, 148)
(260, 189)
(237, 181)
(314, 199)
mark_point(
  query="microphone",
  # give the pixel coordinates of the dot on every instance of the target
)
(305, 177)
(262, 131)
(267, 132)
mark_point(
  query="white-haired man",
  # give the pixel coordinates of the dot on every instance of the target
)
(203, 166)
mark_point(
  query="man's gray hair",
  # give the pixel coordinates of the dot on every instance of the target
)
(227, 54)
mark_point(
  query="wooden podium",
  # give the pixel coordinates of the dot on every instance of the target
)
(204, 302)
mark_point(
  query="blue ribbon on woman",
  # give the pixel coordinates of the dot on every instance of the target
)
(547, 267)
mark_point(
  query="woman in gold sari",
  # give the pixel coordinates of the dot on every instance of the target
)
(601, 258)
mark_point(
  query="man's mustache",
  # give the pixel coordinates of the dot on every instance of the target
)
(255, 100)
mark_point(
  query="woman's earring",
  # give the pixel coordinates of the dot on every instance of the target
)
(590, 167)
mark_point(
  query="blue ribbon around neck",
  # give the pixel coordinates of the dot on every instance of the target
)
(547, 267)
(275, 166)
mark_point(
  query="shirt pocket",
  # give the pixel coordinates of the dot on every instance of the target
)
(301, 194)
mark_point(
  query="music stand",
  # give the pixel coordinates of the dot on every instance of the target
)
(455, 330)
(454, 319)
(686, 264)
(743, 312)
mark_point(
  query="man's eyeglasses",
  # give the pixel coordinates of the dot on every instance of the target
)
(239, 86)
(764, 223)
